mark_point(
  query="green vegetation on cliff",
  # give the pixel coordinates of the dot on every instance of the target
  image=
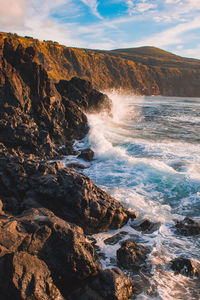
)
(145, 70)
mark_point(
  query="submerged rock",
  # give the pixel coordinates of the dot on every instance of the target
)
(188, 227)
(132, 256)
(146, 226)
(87, 154)
(184, 266)
(115, 238)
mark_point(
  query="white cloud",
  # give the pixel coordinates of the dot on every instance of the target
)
(172, 36)
(93, 5)
(139, 7)
(13, 13)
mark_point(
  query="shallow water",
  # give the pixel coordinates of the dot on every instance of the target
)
(148, 157)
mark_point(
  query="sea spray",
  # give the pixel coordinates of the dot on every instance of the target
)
(148, 157)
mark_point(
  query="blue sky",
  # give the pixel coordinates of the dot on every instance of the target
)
(173, 25)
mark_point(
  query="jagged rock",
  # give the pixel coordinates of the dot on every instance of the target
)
(76, 166)
(82, 93)
(146, 226)
(24, 276)
(86, 154)
(35, 118)
(184, 266)
(37, 235)
(115, 238)
(71, 196)
(132, 256)
(188, 227)
(109, 284)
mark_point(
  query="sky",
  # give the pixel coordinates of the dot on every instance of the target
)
(172, 25)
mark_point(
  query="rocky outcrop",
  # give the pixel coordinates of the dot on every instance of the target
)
(36, 117)
(71, 196)
(146, 226)
(87, 154)
(184, 266)
(188, 227)
(132, 256)
(109, 284)
(149, 72)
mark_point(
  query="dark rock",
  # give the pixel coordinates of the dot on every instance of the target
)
(183, 266)
(81, 92)
(62, 248)
(146, 226)
(115, 238)
(132, 256)
(35, 118)
(76, 166)
(188, 227)
(71, 196)
(111, 284)
(86, 154)
(29, 278)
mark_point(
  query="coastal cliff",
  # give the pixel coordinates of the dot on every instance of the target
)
(46, 209)
(146, 70)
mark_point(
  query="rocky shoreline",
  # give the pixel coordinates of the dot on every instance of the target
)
(48, 211)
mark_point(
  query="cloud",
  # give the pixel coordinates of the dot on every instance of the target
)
(173, 36)
(139, 7)
(13, 13)
(93, 5)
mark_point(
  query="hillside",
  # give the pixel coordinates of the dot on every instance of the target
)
(145, 70)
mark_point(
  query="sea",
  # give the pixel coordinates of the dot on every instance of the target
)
(147, 156)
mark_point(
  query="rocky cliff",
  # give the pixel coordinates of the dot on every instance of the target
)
(145, 70)
(46, 209)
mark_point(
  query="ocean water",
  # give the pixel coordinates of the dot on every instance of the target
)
(148, 157)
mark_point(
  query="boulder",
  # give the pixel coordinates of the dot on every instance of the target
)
(86, 154)
(188, 227)
(146, 226)
(184, 266)
(24, 276)
(132, 256)
(108, 284)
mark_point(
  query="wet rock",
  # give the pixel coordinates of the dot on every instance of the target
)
(184, 266)
(76, 166)
(188, 227)
(87, 154)
(35, 118)
(115, 238)
(71, 196)
(146, 226)
(132, 256)
(82, 93)
(109, 284)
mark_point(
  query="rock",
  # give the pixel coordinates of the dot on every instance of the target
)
(108, 284)
(76, 166)
(188, 227)
(56, 249)
(81, 92)
(115, 238)
(184, 266)
(132, 256)
(86, 154)
(30, 278)
(71, 196)
(146, 226)
(35, 118)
